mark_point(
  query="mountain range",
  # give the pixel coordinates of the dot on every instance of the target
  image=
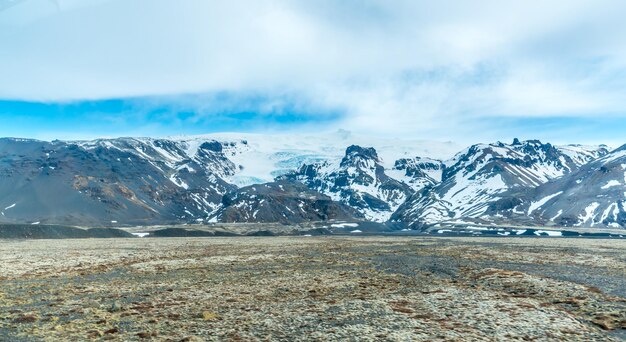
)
(411, 184)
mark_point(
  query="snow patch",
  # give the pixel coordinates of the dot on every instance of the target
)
(536, 205)
(548, 232)
(141, 234)
(589, 213)
(611, 183)
(344, 225)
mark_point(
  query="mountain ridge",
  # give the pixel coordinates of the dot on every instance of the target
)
(123, 181)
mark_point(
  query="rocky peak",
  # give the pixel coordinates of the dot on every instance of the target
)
(213, 146)
(358, 156)
(359, 181)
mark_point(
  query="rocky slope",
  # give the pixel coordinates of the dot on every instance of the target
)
(485, 180)
(109, 181)
(593, 196)
(284, 202)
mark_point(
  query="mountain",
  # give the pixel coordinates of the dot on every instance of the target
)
(593, 196)
(360, 181)
(486, 179)
(134, 181)
(150, 181)
(293, 179)
(284, 202)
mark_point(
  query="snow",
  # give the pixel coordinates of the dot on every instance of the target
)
(613, 156)
(548, 232)
(536, 205)
(612, 209)
(11, 206)
(580, 154)
(180, 183)
(141, 234)
(344, 225)
(557, 215)
(611, 183)
(356, 231)
(36, 223)
(474, 191)
(589, 213)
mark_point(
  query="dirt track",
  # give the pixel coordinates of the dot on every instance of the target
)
(330, 288)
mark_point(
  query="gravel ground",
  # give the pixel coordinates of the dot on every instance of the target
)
(313, 289)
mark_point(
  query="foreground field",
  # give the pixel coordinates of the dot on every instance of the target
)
(330, 288)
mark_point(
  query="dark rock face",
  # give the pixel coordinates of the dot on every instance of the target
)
(358, 156)
(213, 146)
(282, 201)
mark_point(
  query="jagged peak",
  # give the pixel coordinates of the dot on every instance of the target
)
(365, 152)
(355, 155)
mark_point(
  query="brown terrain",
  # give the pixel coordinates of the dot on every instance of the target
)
(313, 288)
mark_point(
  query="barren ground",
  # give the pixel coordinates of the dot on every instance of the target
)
(309, 288)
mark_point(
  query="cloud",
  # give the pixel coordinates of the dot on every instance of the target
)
(404, 66)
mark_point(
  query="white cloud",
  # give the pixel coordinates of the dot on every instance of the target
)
(405, 65)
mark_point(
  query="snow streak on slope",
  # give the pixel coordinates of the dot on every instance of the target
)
(536, 205)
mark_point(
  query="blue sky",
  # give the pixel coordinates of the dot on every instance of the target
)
(156, 116)
(465, 71)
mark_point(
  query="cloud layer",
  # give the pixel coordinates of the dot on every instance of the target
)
(407, 66)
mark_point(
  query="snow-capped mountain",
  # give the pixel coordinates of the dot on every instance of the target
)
(359, 180)
(593, 196)
(219, 177)
(478, 182)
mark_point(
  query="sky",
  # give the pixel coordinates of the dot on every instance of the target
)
(465, 71)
